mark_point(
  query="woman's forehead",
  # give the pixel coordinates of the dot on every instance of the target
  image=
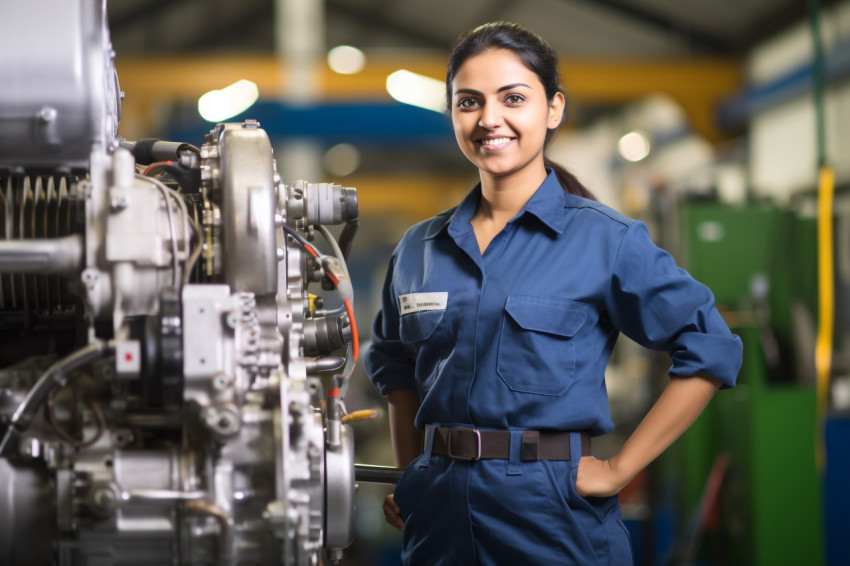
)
(494, 69)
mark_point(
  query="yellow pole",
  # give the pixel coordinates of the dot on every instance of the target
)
(826, 302)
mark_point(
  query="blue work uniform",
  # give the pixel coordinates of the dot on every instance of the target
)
(518, 339)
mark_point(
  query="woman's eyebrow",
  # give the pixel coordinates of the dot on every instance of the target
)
(513, 85)
(479, 93)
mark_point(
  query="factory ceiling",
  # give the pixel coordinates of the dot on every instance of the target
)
(649, 42)
(576, 28)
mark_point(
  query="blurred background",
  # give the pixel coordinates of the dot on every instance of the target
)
(723, 125)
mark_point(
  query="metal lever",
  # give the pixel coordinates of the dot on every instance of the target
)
(377, 474)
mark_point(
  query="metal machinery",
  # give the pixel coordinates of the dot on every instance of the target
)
(753, 442)
(170, 392)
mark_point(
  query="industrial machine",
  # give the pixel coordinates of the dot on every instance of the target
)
(171, 392)
(731, 471)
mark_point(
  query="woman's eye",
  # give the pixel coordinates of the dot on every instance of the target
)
(467, 103)
(514, 98)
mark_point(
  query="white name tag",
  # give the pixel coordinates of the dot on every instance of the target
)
(417, 302)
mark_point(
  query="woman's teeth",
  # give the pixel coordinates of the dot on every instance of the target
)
(495, 142)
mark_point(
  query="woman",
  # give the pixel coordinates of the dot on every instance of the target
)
(498, 319)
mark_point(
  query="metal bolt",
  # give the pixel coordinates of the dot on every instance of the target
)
(220, 381)
(47, 114)
(222, 421)
(89, 277)
(104, 499)
(120, 203)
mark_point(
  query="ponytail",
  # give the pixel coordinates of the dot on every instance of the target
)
(568, 181)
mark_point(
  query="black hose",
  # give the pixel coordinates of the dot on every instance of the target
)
(346, 238)
(55, 376)
(352, 217)
(152, 150)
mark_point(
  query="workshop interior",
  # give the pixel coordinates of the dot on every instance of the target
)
(198, 201)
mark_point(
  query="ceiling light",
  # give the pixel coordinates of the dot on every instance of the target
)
(218, 105)
(341, 160)
(417, 90)
(346, 60)
(634, 146)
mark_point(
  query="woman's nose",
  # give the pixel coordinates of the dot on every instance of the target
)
(490, 120)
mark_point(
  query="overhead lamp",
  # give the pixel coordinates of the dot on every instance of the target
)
(218, 105)
(341, 160)
(417, 90)
(346, 60)
(634, 146)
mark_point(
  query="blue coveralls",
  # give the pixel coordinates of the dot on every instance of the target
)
(519, 339)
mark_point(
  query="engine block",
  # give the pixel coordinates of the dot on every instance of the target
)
(170, 389)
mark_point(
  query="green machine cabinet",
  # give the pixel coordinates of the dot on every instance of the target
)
(758, 261)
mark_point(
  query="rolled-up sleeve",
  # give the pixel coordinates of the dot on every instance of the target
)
(659, 305)
(389, 362)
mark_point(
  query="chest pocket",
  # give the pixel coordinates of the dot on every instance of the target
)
(420, 331)
(536, 345)
(419, 326)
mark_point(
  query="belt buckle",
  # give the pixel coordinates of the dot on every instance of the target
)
(478, 442)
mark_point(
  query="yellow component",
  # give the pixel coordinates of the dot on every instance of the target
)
(208, 251)
(826, 302)
(311, 298)
(366, 415)
(698, 84)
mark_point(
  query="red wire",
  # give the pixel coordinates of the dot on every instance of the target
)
(355, 351)
(153, 166)
(354, 339)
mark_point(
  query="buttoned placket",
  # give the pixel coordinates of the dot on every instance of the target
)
(466, 241)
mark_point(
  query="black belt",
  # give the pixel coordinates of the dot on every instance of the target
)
(474, 444)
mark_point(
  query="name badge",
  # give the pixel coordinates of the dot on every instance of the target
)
(417, 302)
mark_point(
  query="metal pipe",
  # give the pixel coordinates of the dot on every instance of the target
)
(43, 256)
(327, 363)
(167, 495)
(376, 474)
(225, 539)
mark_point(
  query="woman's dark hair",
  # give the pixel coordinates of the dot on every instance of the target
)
(537, 55)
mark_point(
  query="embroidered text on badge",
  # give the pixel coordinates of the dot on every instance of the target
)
(416, 302)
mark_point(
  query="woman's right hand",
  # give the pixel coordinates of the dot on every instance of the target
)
(597, 478)
(392, 513)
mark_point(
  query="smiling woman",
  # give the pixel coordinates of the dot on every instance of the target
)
(501, 116)
(496, 388)
(509, 45)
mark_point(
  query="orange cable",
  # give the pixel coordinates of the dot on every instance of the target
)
(153, 166)
(354, 339)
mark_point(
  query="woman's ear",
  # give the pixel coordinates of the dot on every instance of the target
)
(556, 110)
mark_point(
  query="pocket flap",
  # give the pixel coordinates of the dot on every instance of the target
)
(547, 314)
(419, 326)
